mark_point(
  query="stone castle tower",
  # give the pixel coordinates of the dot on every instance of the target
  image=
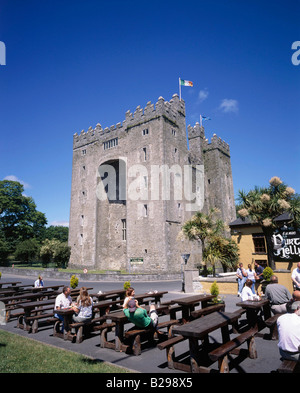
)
(134, 185)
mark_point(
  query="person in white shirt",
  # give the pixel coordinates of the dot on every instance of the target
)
(288, 326)
(63, 300)
(39, 283)
(241, 277)
(296, 277)
(247, 293)
(251, 275)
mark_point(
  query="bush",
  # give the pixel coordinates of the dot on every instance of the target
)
(126, 285)
(267, 273)
(74, 282)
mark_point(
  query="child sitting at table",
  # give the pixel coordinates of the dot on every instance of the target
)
(83, 307)
(247, 293)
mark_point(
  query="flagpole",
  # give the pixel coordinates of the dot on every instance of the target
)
(200, 121)
(179, 90)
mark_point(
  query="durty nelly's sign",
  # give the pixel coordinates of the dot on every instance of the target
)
(286, 245)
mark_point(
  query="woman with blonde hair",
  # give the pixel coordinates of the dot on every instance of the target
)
(83, 307)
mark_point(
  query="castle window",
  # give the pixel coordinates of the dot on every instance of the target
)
(145, 153)
(82, 220)
(173, 132)
(124, 230)
(83, 152)
(145, 211)
(145, 131)
(110, 144)
(81, 239)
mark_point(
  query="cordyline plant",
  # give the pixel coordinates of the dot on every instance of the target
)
(209, 230)
(263, 205)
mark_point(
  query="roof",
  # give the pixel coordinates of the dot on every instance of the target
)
(247, 221)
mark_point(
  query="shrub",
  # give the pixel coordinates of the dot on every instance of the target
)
(74, 282)
(126, 285)
(267, 273)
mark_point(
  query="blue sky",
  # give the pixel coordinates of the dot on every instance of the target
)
(74, 63)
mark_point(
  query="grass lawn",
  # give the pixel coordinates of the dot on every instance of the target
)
(22, 355)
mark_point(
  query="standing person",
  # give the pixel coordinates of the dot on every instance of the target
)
(62, 301)
(259, 270)
(83, 307)
(138, 315)
(251, 276)
(241, 277)
(296, 277)
(39, 283)
(278, 295)
(288, 326)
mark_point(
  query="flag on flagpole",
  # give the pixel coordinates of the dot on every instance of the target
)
(183, 82)
(203, 118)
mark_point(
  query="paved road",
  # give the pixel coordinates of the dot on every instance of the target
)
(152, 360)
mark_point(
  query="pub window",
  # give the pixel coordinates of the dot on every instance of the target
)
(124, 230)
(259, 243)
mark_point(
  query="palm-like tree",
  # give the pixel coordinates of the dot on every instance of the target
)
(263, 205)
(209, 230)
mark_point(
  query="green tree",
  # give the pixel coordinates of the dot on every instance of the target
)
(47, 250)
(27, 250)
(57, 232)
(263, 205)
(62, 254)
(19, 219)
(210, 230)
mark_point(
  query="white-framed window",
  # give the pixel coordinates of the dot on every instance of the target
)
(110, 144)
(124, 229)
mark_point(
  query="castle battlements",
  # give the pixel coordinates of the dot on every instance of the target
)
(216, 143)
(169, 109)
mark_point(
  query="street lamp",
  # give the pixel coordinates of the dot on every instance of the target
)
(185, 258)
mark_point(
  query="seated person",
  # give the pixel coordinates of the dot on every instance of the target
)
(288, 332)
(247, 293)
(138, 315)
(83, 307)
(62, 301)
(278, 295)
(129, 295)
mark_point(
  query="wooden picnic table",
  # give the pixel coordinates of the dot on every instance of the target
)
(113, 294)
(148, 297)
(32, 325)
(13, 283)
(253, 307)
(188, 304)
(199, 330)
(121, 320)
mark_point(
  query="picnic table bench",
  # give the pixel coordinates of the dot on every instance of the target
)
(272, 325)
(199, 329)
(33, 312)
(12, 283)
(189, 303)
(221, 353)
(112, 294)
(252, 308)
(289, 367)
